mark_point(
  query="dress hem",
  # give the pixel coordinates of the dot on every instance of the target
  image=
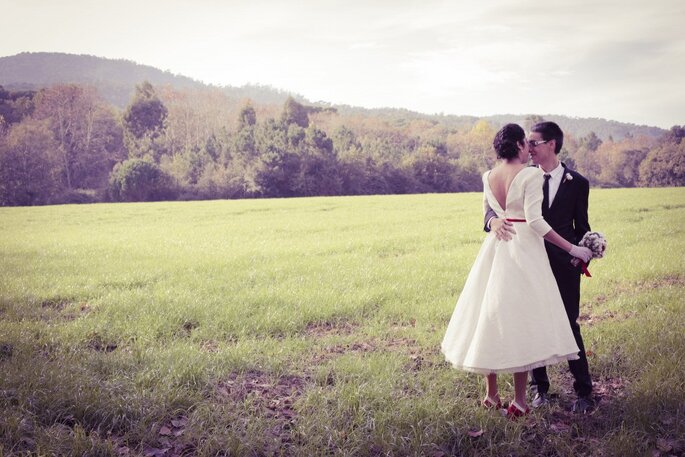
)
(531, 366)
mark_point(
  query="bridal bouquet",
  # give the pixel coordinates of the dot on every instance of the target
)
(594, 241)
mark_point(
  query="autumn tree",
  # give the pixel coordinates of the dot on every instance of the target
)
(140, 180)
(144, 122)
(475, 147)
(432, 169)
(247, 116)
(346, 143)
(16, 105)
(244, 140)
(277, 165)
(587, 162)
(590, 142)
(531, 120)
(295, 113)
(28, 162)
(88, 136)
(318, 171)
(665, 164)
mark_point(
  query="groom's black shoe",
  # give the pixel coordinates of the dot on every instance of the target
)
(583, 405)
(540, 399)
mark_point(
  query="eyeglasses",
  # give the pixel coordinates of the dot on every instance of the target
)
(534, 143)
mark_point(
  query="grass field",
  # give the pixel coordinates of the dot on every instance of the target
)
(312, 327)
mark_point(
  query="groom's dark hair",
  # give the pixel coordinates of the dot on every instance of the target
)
(550, 131)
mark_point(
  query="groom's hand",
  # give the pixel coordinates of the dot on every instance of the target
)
(502, 228)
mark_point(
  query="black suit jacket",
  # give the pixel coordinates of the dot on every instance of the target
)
(567, 216)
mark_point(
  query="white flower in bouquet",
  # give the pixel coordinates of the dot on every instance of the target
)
(595, 242)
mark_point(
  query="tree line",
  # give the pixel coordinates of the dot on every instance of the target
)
(65, 144)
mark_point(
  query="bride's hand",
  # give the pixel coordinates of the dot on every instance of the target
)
(580, 252)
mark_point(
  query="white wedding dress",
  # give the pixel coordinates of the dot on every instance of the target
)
(509, 316)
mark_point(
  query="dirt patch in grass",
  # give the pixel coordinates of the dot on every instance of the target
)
(331, 352)
(672, 206)
(666, 281)
(128, 284)
(56, 303)
(400, 345)
(588, 317)
(49, 350)
(54, 309)
(271, 397)
(557, 423)
(185, 328)
(418, 357)
(6, 351)
(84, 308)
(598, 300)
(606, 390)
(62, 309)
(209, 346)
(631, 287)
(326, 329)
(97, 343)
(411, 323)
(75, 311)
(610, 388)
(171, 441)
(593, 319)
(264, 395)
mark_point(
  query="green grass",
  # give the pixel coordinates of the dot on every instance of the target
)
(311, 327)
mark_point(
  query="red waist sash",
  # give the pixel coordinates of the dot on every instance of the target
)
(514, 220)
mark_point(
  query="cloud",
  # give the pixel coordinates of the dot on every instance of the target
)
(623, 60)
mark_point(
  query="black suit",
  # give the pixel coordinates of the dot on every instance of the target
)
(568, 217)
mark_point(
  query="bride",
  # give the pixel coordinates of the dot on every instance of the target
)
(510, 317)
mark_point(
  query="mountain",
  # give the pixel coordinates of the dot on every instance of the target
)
(116, 79)
(582, 126)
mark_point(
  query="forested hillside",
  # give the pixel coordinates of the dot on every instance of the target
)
(115, 81)
(67, 142)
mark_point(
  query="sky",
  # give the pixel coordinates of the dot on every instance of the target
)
(615, 59)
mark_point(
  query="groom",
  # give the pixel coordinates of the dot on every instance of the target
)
(564, 207)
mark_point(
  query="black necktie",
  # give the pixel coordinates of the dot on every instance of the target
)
(545, 194)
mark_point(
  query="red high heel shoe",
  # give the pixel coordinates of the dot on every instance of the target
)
(490, 403)
(515, 411)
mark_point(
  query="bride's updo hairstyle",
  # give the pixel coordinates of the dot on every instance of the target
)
(507, 141)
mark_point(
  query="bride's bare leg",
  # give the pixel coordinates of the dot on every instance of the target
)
(520, 384)
(491, 386)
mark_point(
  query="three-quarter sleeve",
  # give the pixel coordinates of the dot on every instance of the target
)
(532, 204)
(486, 205)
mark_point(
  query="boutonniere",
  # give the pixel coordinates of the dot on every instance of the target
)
(568, 177)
